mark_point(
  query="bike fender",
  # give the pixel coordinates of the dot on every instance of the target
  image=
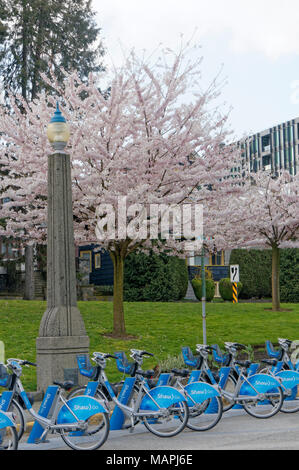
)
(83, 407)
(5, 400)
(200, 391)
(261, 382)
(163, 396)
(5, 420)
(289, 378)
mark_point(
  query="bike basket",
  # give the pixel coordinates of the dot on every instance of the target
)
(5, 377)
(122, 363)
(85, 366)
(219, 357)
(189, 359)
(272, 352)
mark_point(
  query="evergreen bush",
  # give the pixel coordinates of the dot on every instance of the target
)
(226, 289)
(197, 287)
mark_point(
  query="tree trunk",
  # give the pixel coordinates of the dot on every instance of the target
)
(119, 328)
(29, 293)
(275, 278)
(24, 59)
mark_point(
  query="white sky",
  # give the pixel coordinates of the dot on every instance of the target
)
(257, 42)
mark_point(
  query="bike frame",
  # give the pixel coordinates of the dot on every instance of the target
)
(132, 412)
(234, 397)
(52, 404)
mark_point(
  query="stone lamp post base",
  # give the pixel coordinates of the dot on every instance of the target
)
(56, 359)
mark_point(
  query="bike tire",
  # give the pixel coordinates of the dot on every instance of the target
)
(18, 416)
(8, 438)
(94, 436)
(171, 425)
(229, 387)
(289, 405)
(205, 416)
(265, 409)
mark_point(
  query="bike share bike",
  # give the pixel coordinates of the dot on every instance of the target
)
(259, 394)
(82, 422)
(204, 401)
(162, 409)
(281, 366)
(8, 433)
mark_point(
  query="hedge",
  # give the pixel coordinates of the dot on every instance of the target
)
(156, 278)
(289, 275)
(256, 273)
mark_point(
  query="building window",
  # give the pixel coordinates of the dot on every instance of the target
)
(215, 259)
(266, 143)
(97, 261)
(86, 255)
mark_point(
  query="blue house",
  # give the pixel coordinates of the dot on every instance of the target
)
(101, 266)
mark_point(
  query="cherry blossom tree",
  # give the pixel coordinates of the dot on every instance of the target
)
(264, 214)
(155, 140)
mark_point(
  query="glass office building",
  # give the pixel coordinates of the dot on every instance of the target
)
(273, 149)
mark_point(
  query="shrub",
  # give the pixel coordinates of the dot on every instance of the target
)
(156, 278)
(197, 287)
(226, 289)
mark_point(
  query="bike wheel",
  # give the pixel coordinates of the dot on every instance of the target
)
(132, 421)
(266, 407)
(228, 387)
(18, 417)
(93, 436)
(170, 422)
(79, 391)
(291, 401)
(204, 416)
(8, 438)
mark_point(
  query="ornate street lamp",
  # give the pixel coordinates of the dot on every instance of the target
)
(62, 333)
(58, 131)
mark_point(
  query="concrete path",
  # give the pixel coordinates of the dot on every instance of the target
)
(236, 431)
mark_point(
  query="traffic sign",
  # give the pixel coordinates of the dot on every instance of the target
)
(234, 273)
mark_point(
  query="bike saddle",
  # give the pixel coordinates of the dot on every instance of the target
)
(145, 373)
(243, 363)
(270, 362)
(67, 385)
(180, 372)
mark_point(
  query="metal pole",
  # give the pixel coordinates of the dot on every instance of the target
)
(203, 297)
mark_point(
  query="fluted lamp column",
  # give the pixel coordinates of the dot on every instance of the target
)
(62, 333)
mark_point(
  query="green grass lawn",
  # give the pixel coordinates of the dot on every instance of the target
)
(160, 328)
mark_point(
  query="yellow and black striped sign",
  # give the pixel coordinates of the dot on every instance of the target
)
(235, 293)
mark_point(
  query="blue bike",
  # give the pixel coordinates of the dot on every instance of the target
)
(162, 409)
(8, 433)
(83, 422)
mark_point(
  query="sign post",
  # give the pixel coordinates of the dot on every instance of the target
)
(235, 278)
(2, 355)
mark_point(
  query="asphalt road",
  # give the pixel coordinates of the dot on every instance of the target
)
(235, 431)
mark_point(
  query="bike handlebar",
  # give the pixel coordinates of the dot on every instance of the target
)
(140, 352)
(21, 362)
